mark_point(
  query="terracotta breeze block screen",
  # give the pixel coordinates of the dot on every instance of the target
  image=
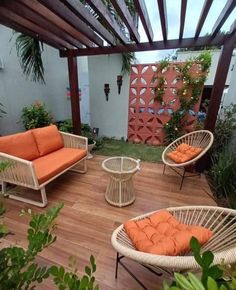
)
(147, 116)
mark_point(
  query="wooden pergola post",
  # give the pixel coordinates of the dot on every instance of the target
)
(74, 93)
(219, 82)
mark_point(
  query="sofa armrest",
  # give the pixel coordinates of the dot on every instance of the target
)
(19, 171)
(74, 141)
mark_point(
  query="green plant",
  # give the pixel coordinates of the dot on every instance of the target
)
(87, 131)
(213, 277)
(222, 176)
(18, 269)
(127, 60)
(36, 116)
(29, 51)
(188, 94)
(224, 129)
(66, 126)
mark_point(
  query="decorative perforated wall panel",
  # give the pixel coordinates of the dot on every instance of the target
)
(148, 116)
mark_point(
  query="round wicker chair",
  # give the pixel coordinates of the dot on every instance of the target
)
(201, 138)
(223, 242)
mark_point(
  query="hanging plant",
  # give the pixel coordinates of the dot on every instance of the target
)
(29, 52)
(127, 60)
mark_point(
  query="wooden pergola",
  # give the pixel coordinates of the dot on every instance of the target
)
(71, 27)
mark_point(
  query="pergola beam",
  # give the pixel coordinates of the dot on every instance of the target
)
(146, 46)
(27, 13)
(219, 82)
(203, 16)
(43, 11)
(24, 23)
(143, 14)
(108, 19)
(25, 31)
(79, 9)
(74, 95)
(228, 8)
(66, 14)
(182, 17)
(163, 18)
(125, 15)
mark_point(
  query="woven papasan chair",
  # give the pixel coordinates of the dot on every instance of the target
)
(221, 221)
(202, 139)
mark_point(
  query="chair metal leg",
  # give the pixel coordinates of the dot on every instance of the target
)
(164, 169)
(182, 180)
(117, 264)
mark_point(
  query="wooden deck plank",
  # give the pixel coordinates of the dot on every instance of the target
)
(86, 222)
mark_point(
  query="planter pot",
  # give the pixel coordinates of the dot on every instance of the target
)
(90, 148)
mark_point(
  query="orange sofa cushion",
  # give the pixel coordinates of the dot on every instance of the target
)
(184, 153)
(53, 163)
(163, 234)
(20, 145)
(48, 139)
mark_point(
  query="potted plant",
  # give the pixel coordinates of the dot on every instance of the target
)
(86, 131)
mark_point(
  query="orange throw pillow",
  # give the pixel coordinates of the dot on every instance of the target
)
(20, 145)
(163, 234)
(184, 153)
(48, 139)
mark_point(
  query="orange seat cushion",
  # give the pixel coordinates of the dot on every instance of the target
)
(163, 234)
(184, 153)
(20, 145)
(53, 163)
(48, 139)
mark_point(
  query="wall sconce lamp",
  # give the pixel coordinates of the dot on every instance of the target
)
(106, 90)
(119, 83)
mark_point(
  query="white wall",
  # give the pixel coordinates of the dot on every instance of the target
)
(184, 55)
(17, 92)
(110, 117)
(230, 96)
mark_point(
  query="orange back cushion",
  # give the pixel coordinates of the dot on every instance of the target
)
(21, 145)
(184, 153)
(163, 234)
(48, 139)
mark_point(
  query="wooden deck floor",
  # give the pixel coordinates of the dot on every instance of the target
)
(87, 221)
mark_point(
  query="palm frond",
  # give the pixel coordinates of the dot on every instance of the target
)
(29, 52)
(127, 60)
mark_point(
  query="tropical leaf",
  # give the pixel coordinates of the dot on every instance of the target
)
(29, 52)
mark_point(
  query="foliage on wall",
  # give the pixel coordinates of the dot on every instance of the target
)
(188, 94)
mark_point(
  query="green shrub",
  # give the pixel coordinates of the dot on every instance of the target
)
(66, 126)
(36, 116)
(222, 172)
(18, 269)
(225, 129)
(222, 177)
(86, 131)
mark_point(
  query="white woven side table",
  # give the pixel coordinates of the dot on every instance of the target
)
(120, 191)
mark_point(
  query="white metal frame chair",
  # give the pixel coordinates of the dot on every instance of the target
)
(22, 172)
(201, 138)
(223, 242)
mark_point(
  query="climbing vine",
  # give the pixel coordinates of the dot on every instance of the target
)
(188, 94)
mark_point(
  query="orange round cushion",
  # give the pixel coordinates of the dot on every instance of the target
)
(163, 234)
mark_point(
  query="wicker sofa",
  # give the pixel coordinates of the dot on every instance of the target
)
(39, 156)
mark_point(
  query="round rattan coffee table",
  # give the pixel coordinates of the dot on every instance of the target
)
(120, 190)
